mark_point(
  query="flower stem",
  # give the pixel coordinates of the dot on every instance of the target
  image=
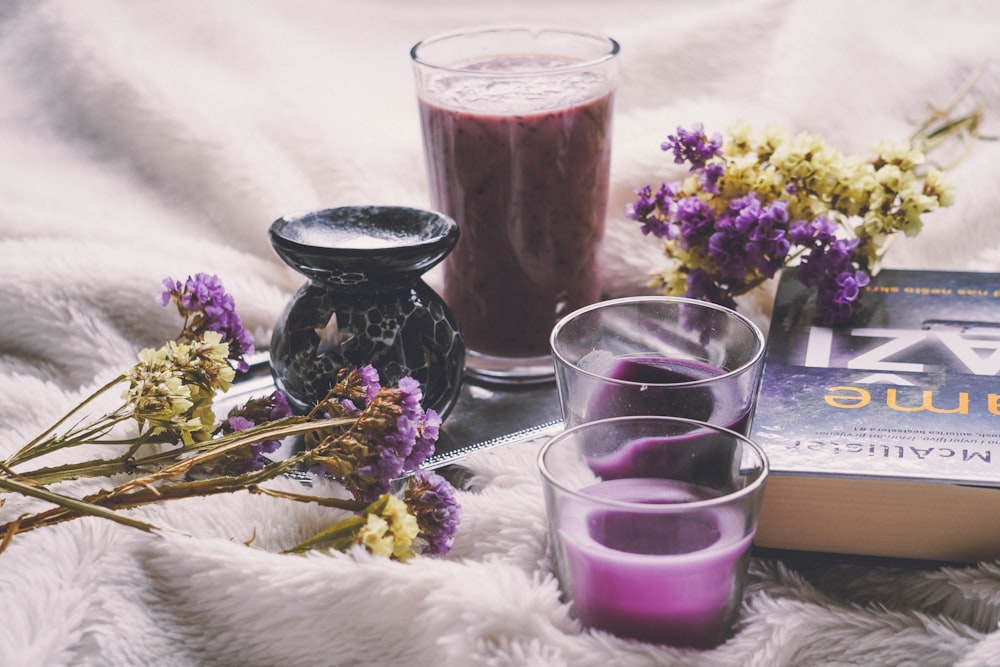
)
(215, 448)
(145, 490)
(44, 442)
(338, 536)
(67, 505)
(929, 137)
(141, 492)
(338, 503)
(208, 449)
(945, 110)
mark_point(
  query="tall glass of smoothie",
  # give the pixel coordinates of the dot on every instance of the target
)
(654, 553)
(517, 139)
(657, 355)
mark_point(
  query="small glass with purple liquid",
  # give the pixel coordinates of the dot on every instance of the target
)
(652, 355)
(651, 521)
(653, 490)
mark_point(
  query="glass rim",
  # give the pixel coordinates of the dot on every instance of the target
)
(613, 49)
(743, 319)
(672, 508)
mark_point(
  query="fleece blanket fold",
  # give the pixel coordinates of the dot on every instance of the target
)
(143, 140)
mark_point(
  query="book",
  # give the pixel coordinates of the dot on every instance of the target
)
(884, 435)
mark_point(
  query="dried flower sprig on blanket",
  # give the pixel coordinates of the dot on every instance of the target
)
(362, 433)
(755, 203)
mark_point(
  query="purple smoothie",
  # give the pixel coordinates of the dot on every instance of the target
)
(529, 191)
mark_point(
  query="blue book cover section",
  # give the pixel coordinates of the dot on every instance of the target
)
(908, 390)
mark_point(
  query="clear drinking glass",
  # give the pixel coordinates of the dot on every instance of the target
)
(651, 521)
(517, 139)
(657, 356)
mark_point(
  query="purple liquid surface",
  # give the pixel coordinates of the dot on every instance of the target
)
(668, 578)
(529, 192)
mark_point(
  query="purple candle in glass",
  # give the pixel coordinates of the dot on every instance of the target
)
(665, 578)
(660, 552)
(670, 386)
(657, 355)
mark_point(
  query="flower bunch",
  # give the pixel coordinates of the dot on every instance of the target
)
(752, 204)
(206, 306)
(365, 435)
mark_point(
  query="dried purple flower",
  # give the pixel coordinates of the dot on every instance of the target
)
(392, 437)
(693, 146)
(728, 226)
(206, 306)
(404, 445)
(432, 500)
(254, 412)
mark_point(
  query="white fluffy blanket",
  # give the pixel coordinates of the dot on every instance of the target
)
(143, 139)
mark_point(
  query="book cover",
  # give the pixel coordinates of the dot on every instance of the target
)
(907, 393)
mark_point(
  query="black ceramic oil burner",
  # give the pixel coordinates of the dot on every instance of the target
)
(366, 303)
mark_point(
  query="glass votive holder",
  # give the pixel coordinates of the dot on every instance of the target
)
(651, 520)
(652, 355)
